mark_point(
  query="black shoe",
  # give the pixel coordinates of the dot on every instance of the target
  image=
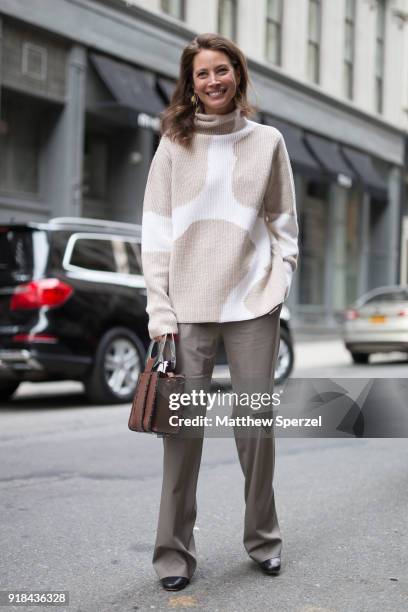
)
(271, 566)
(174, 583)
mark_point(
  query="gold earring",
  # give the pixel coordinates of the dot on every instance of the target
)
(195, 102)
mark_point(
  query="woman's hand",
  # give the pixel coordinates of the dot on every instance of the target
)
(157, 339)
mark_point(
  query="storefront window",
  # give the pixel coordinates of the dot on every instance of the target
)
(95, 170)
(19, 148)
(353, 233)
(345, 247)
(313, 226)
(379, 244)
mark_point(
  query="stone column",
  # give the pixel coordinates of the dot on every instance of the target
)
(62, 157)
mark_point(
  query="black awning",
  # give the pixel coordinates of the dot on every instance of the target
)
(298, 153)
(166, 87)
(329, 156)
(372, 180)
(128, 85)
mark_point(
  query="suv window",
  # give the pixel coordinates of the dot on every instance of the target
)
(127, 256)
(93, 254)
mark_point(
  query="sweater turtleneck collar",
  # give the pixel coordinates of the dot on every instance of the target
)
(219, 124)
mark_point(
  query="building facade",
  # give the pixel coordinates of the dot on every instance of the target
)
(82, 84)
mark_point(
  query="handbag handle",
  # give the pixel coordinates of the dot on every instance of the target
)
(159, 356)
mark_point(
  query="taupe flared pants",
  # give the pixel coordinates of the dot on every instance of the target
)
(251, 347)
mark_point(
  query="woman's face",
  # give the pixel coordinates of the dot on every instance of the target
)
(215, 81)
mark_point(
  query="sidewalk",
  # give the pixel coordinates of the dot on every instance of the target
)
(311, 332)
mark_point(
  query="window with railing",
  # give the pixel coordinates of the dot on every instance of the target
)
(227, 18)
(273, 49)
(174, 8)
(349, 45)
(313, 41)
(379, 56)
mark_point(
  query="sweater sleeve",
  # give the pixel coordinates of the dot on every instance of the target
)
(280, 210)
(157, 243)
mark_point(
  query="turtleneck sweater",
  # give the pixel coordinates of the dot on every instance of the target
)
(219, 226)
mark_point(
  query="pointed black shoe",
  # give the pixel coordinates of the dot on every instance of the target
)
(271, 566)
(174, 583)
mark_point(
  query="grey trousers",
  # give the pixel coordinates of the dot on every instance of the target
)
(251, 347)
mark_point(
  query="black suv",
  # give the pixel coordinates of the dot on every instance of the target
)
(73, 307)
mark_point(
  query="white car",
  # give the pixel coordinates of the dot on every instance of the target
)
(377, 323)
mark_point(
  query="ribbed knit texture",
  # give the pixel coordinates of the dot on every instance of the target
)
(219, 228)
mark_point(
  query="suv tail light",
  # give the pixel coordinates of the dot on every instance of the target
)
(43, 292)
(30, 337)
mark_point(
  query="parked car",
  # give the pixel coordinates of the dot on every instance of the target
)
(377, 323)
(286, 358)
(73, 307)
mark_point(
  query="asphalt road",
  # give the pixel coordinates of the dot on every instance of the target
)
(79, 497)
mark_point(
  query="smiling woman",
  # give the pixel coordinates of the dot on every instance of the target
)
(219, 248)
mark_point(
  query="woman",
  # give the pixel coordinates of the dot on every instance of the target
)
(219, 247)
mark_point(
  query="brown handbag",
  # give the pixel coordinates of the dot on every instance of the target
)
(150, 407)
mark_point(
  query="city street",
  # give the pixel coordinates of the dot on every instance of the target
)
(180, 161)
(80, 495)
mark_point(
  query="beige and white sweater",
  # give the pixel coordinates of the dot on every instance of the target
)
(219, 227)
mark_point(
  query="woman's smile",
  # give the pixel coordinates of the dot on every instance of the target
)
(217, 94)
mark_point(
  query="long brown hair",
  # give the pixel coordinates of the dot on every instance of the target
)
(177, 120)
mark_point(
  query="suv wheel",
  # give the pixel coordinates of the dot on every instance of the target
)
(118, 362)
(7, 388)
(285, 359)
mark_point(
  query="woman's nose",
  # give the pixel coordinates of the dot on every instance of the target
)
(213, 79)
